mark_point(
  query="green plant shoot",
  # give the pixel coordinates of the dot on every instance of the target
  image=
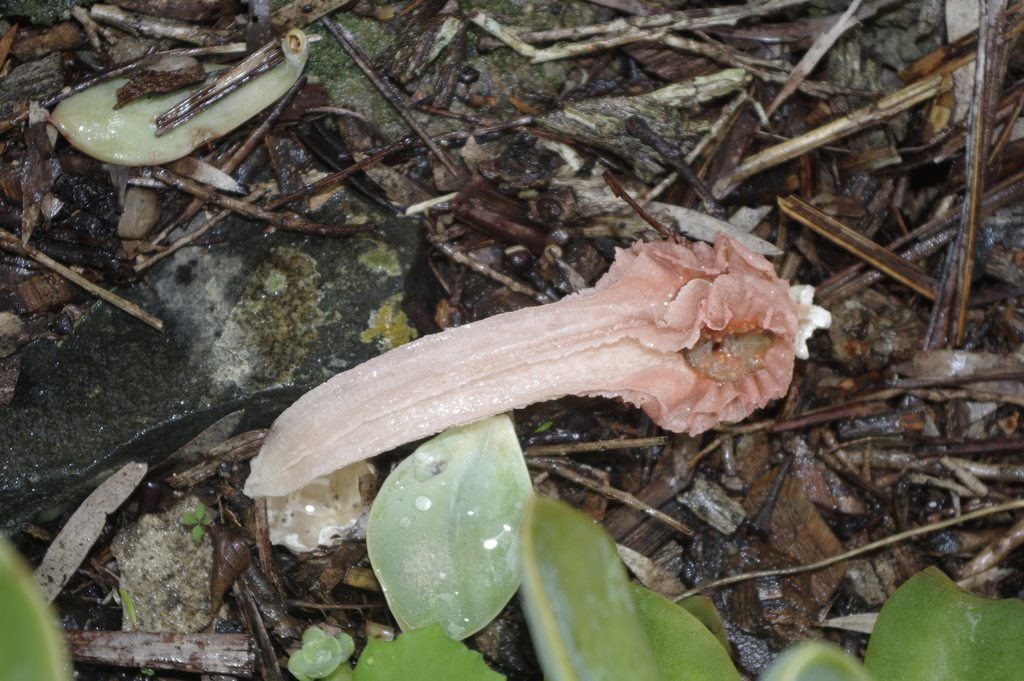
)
(322, 657)
(198, 519)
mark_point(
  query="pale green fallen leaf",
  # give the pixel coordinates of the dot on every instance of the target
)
(442, 531)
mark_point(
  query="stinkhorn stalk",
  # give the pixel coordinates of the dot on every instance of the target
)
(693, 335)
(127, 136)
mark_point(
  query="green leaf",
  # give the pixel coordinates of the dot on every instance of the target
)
(931, 629)
(129, 606)
(815, 662)
(422, 655)
(189, 518)
(197, 532)
(31, 642)
(147, 671)
(442, 531)
(578, 601)
(543, 427)
(200, 512)
(704, 610)
(205, 521)
(684, 647)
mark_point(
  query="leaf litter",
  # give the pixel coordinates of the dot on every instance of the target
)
(875, 180)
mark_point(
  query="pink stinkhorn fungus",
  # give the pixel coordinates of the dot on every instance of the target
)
(693, 335)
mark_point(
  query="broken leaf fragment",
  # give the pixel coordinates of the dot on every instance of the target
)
(442, 531)
(579, 604)
(127, 136)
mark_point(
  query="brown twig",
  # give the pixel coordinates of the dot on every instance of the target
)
(458, 256)
(286, 221)
(560, 469)
(14, 245)
(186, 239)
(235, 159)
(223, 84)
(639, 129)
(588, 447)
(933, 236)
(883, 109)
(621, 193)
(867, 548)
(988, 77)
(896, 267)
(376, 155)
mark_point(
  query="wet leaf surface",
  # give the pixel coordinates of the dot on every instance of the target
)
(442, 534)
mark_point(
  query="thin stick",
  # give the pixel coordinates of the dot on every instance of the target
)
(401, 145)
(231, 164)
(185, 240)
(896, 267)
(348, 42)
(1004, 136)
(821, 45)
(612, 493)
(602, 446)
(638, 128)
(14, 245)
(987, 82)
(333, 606)
(223, 84)
(621, 193)
(1010, 506)
(884, 108)
(279, 220)
(621, 31)
(463, 259)
(934, 235)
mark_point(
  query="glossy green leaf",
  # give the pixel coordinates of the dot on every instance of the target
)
(578, 601)
(422, 655)
(705, 611)
(442, 531)
(931, 629)
(31, 643)
(811, 661)
(683, 646)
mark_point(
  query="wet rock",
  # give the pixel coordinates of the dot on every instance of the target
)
(165, 572)
(253, 322)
